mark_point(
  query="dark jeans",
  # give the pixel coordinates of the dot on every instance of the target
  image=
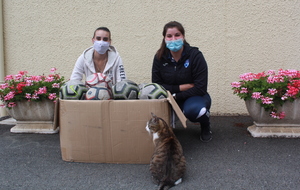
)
(196, 109)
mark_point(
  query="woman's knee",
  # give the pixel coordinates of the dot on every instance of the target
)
(195, 107)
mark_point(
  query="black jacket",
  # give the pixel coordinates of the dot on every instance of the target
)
(191, 68)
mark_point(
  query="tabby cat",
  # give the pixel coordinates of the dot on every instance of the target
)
(167, 164)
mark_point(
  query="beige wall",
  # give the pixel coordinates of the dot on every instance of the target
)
(235, 36)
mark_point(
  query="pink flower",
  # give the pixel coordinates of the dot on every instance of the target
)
(244, 90)
(53, 70)
(276, 78)
(280, 79)
(42, 90)
(289, 72)
(52, 96)
(29, 82)
(9, 77)
(272, 91)
(22, 73)
(236, 84)
(35, 96)
(275, 115)
(27, 95)
(281, 115)
(3, 86)
(36, 78)
(9, 96)
(11, 104)
(284, 97)
(292, 91)
(260, 75)
(271, 72)
(18, 77)
(248, 76)
(49, 79)
(267, 100)
(55, 85)
(256, 95)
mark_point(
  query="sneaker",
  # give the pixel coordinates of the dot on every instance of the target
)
(205, 135)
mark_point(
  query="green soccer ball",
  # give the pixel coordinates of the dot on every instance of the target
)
(73, 90)
(153, 91)
(125, 90)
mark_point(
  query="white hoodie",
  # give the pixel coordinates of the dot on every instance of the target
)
(85, 65)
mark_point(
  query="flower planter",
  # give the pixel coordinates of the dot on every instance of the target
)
(266, 126)
(34, 117)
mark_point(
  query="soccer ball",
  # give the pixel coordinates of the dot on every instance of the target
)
(99, 79)
(125, 89)
(73, 90)
(153, 91)
(98, 93)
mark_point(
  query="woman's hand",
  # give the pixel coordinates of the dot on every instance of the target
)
(184, 87)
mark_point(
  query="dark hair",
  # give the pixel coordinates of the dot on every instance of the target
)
(163, 49)
(103, 28)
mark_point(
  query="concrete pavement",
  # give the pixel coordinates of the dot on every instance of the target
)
(233, 160)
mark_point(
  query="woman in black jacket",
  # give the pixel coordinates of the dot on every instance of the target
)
(182, 70)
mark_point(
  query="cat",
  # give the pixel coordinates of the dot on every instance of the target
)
(168, 164)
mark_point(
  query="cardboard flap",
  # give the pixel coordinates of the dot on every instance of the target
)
(177, 109)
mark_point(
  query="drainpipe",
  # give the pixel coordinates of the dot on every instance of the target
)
(2, 110)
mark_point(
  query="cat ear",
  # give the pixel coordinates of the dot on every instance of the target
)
(153, 115)
(155, 118)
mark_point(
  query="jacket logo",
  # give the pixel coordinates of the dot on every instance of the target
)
(186, 63)
(165, 64)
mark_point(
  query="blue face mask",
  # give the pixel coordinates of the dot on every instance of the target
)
(174, 45)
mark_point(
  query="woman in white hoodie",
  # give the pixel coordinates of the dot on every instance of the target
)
(102, 57)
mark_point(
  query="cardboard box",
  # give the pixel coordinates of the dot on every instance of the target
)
(110, 131)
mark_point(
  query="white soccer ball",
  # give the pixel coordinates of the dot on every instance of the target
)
(125, 89)
(99, 80)
(153, 91)
(73, 90)
(98, 93)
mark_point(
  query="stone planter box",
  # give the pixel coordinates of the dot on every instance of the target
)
(34, 117)
(266, 126)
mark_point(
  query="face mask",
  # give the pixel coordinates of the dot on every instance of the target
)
(101, 46)
(174, 45)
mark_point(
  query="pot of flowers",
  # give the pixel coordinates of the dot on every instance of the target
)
(272, 100)
(31, 101)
